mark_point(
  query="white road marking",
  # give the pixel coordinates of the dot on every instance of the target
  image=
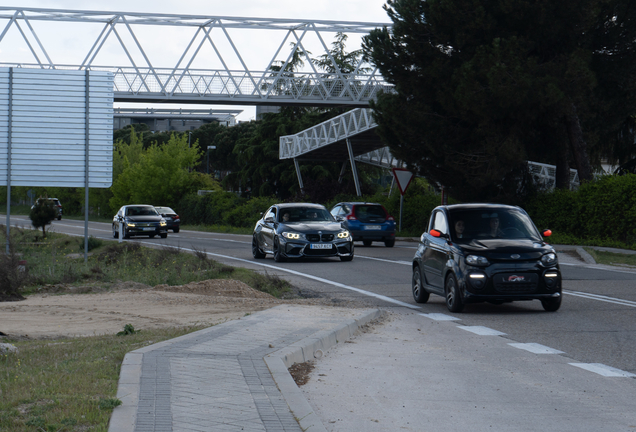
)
(482, 331)
(440, 317)
(536, 348)
(601, 298)
(408, 263)
(308, 276)
(603, 370)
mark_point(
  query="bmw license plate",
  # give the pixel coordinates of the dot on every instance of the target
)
(320, 246)
(373, 227)
(149, 229)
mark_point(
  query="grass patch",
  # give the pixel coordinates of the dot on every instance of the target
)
(58, 261)
(67, 384)
(612, 258)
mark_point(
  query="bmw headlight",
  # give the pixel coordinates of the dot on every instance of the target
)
(549, 259)
(291, 235)
(344, 234)
(475, 260)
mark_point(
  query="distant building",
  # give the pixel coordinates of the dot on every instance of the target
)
(262, 109)
(179, 120)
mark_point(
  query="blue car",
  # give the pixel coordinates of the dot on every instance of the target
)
(367, 222)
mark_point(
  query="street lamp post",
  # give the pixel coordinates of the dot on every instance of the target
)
(208, 163)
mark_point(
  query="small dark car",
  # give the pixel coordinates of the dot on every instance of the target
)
(173, 221)
(139, 219)
(485, 253)
(367, 222)
(300, 230)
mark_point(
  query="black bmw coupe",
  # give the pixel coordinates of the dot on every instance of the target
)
(485, 253)
(298, 230)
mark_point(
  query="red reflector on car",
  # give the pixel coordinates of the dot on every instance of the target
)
(351, 217)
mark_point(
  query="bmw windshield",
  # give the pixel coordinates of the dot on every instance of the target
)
(489, 223)
(304, 214)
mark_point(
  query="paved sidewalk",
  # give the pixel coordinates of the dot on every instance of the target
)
(232, 376)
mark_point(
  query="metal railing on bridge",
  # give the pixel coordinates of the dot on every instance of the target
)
(210, 63)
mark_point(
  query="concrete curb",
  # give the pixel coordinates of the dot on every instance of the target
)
(302, 351)
(124, 417)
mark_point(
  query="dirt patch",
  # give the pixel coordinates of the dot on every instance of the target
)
(68, 311)
(300, 372)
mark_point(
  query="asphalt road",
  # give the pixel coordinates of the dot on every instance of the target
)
(596, 322)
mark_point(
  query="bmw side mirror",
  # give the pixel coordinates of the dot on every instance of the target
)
(546, 233)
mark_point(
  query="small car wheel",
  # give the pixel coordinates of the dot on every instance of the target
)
(389, 243)
(163, 235)
(278, 256)
(454, 301)
(256, 251)
(551, 305)
(367, 242)
(420, 295)
(59, 218)
(176, 230)
(152, 235)
(115, 233)
(126, 234)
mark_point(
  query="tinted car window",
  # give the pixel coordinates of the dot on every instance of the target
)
(308, 214)
(513, 224)
(370, 213)
(141, 211)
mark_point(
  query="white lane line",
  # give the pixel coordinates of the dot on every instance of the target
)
(603, 370)
(597, 267)
(601, 298)
(308, 276)
(385, 260)
(440, 317)
(482, 331)
(536, 348)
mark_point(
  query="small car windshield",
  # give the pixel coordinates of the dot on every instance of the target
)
(141, 211)
(487, 223)
(304, 214)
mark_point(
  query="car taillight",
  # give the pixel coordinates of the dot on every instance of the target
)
(351, 217)
(390, 218)
(175, 217)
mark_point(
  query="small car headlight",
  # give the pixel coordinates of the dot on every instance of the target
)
(343, 234)
(549, 259)
(475, 260)
(130, 224)
(162, 222)
(291, 235)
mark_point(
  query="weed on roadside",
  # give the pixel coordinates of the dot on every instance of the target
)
(67, 384)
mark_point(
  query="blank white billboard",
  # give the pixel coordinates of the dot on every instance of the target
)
(57, 124)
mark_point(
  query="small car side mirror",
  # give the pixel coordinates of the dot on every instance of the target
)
(546, 233)
(436, 233)
(340, 218)
(269, 219)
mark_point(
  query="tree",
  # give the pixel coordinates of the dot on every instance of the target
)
(42, 214)
(481, 85)
(159, 175)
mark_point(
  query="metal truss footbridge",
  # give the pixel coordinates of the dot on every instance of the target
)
(195, 58)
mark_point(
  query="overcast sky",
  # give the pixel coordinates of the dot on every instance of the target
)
(248, 44)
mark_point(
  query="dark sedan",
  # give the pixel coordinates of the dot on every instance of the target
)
(485, 253)
(173, 221)
(139, 220)
(300, 230)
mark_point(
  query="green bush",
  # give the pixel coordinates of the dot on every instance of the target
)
(600, 213)
(248, 213)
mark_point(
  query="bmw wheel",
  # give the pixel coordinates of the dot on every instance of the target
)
(419, 293)
(256, 251)
(278, 255)
(454, 301)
